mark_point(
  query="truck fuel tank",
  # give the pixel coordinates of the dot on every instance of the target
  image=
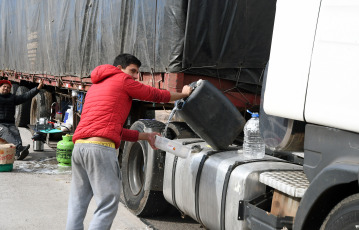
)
(209, 184)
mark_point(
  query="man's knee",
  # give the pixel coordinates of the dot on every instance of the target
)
(11, 134)
(3, 130)
(14, 130)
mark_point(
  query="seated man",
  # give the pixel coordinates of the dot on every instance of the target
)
(8, 130)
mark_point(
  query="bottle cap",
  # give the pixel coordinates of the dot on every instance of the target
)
(253, 114)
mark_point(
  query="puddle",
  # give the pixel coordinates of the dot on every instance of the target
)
(46, 166)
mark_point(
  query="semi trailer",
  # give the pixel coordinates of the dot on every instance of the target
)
(61, 42)
(292, 61)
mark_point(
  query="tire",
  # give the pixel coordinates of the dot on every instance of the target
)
(344, 216)
(40, 106)
(150, 114)
(22, 111)
(180, 130)
(134, 164)
(14, 88)
(55, 107)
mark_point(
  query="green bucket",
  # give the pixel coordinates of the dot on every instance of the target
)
(6, 167)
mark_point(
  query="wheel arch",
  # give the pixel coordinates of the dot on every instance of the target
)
(40, 106)
(333, 184)
(146, 199)
(22, 111)
(144, 196)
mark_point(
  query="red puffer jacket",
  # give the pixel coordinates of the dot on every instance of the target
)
(108, 103)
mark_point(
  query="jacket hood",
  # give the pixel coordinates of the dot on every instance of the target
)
(103, 71)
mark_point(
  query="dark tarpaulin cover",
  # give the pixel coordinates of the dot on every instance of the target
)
(227, 39)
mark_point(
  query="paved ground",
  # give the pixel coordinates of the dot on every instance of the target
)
(34, 195)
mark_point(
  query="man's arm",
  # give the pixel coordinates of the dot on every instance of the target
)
(149, 137)
(143, 92)
(41, 84)
(19, 99)
(186, 91)
(129, 135)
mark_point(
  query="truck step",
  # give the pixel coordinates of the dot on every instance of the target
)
(292, 183)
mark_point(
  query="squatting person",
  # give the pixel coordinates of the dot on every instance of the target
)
(8, 129)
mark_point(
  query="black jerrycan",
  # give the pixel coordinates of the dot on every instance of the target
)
(211, 115)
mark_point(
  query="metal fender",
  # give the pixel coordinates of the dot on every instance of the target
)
(328, 188)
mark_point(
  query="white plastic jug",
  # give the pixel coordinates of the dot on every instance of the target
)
(69, 115)
(172, 146)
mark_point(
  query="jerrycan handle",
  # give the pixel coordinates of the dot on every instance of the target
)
(179, 104)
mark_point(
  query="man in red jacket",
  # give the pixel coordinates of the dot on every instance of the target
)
(95, 167)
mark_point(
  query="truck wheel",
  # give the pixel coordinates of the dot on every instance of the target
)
(14, 88)
(22, 111)
(40, 106)
(344, 215)
(180, 130)
(134, 164)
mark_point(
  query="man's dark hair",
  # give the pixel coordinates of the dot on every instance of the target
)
(125, 60)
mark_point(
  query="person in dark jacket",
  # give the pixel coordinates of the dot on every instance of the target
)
(8, 130)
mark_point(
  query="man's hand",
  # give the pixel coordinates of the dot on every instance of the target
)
(41, 84)
(150, 138)
(187, 90)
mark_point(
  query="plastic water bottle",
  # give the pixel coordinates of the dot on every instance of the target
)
(172, 146)
(253, 145)
(69, 115)
(58, 116)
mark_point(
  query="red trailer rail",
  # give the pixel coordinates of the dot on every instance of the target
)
(173, 82)
(68, 82)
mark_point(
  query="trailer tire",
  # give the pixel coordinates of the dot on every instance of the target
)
(134, 162)
(344, 215)
(22, 111)
(14, 88)
(180, 130)
(40, 106)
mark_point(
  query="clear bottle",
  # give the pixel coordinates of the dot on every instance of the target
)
(172, 146)
(253, 144)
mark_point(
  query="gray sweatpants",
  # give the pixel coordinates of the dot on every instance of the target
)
(10, 133)
(95, 172)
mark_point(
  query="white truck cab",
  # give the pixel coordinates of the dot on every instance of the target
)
(312, 78)
(313, 66)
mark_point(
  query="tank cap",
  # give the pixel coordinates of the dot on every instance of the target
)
(253, 114)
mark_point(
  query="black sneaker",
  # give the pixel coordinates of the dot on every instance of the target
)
(24, 153)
